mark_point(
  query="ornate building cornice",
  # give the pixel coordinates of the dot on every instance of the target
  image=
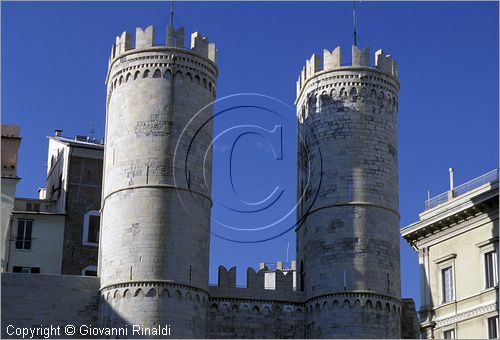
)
(456, 227)
(467, 315)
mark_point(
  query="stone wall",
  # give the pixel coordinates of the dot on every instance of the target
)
(251, 318)
(30, 300)
(84, 194)
(348, 218)
(410, 327)
(181, 308)
(155, 228)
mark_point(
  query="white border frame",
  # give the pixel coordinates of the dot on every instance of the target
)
(86, 219)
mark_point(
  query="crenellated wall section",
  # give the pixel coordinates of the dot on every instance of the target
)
(145, 59)
(360, 58)
(253, 311)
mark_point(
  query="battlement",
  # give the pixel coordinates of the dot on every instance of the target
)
(145, 39)
(264, 279)
(333, 61)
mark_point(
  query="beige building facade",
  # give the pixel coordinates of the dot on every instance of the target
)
(37, 238)
(457, 242)
(11, 141)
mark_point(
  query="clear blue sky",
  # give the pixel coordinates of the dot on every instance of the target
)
(54, 61)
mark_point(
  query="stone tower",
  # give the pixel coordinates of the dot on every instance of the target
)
(154, 253)
(348, 229)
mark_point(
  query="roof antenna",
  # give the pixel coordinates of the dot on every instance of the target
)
(92, 131)
(172, 13)
(354, 20)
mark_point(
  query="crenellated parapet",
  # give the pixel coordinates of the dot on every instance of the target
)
(144, 59)
(332, 61)
(264, 279)
(145, 39)
(130, 62)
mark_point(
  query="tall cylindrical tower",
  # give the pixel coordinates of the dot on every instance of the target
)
(348, 229)
(154, 246)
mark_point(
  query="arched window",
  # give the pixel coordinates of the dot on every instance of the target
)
(326, 101)
(312, 104)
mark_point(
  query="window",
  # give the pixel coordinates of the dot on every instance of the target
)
(449, 334)
(23, 239)
(33, 207)
(29, 270)
(489, 261)
(490, 269)
(302, 276)
(59, 188)
(91, 222)
(447, 282)
(89, 271)
(493, 327)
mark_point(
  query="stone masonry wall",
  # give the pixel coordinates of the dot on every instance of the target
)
(348, 230)
(155, 229)
(410, 325)
(30, 300)
(254, 318)
(180, 307)
(84, 194)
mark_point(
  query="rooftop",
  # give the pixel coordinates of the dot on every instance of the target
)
(79, 140)
(461, 189)
(455, 211)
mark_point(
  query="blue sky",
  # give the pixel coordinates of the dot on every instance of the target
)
(54, 61)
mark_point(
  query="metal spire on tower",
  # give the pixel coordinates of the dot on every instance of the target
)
(171, 13)
(354, 20)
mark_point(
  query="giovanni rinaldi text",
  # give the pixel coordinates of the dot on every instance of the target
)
(41, 331)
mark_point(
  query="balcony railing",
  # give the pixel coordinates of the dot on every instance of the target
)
(461, 189)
